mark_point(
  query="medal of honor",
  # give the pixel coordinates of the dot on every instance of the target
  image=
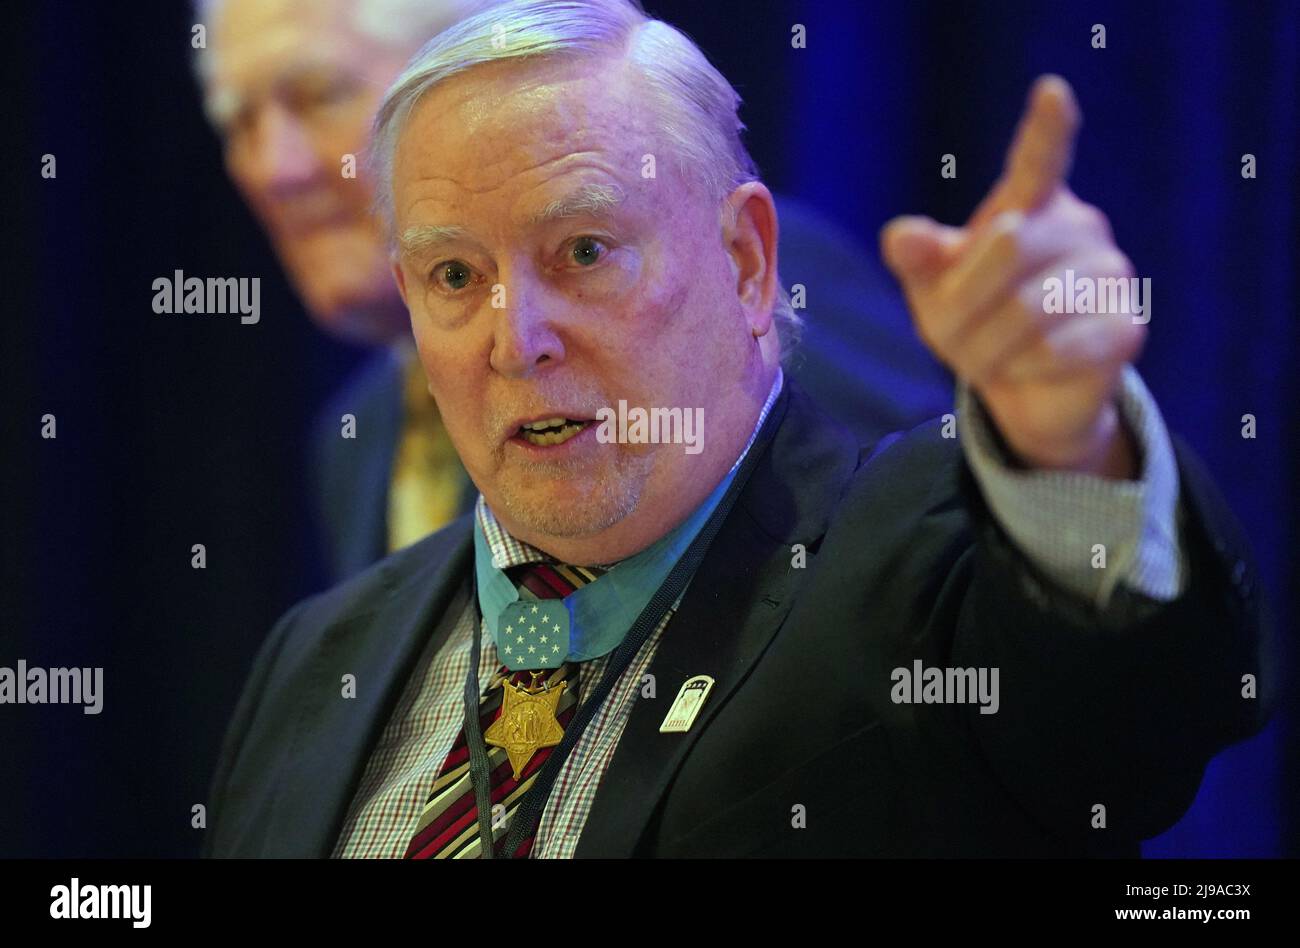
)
(528, 720)
(532, 634)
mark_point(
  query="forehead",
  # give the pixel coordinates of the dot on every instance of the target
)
(254, 40)
(510, 124)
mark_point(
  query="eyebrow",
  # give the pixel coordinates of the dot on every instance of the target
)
(222, 103)
(423, 236)
(586, 199)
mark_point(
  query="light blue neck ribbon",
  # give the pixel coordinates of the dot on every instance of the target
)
(601, 612)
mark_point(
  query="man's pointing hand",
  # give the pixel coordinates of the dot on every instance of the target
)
(1048, 380)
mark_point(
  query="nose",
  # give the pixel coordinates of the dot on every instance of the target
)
(525, 339)
(282, 156)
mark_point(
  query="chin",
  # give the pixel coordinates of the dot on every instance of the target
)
(353, 303)
(354, 313)
(351, 325)
(570, 508)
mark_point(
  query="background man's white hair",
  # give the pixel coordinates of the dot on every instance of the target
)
(696, 105)
(403, 25)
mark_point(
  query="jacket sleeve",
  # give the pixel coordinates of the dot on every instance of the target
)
(1118, 707)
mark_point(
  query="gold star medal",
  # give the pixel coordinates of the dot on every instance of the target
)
(528, 720)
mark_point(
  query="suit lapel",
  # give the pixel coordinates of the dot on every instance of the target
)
(333, 735)
(737, 600)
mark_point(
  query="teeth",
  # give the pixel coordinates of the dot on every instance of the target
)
(548, 423)
(552, 437)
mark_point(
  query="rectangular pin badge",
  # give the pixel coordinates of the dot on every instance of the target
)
(687, 705)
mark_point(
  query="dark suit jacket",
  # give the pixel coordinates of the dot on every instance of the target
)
(904, 563)
(859, 357)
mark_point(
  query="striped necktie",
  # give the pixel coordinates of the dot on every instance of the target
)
(448, 827)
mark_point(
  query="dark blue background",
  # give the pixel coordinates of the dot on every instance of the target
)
(173, 432)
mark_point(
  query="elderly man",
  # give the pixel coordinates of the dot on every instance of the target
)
(292, 85)
(1027, 640)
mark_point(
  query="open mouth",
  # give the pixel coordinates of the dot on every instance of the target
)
(550, 431)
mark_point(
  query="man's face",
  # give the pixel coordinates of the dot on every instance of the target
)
(300, 86)
(499, 179)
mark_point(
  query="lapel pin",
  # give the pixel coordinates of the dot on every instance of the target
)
(687, 705)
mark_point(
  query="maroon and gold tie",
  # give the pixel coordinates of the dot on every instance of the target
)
(449, 824)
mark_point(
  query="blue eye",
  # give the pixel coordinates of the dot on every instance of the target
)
(454, 274)
(586, 251)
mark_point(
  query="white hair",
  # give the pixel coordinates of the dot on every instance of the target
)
(696, 106)
(401, 25)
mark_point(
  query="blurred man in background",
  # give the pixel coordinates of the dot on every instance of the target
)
(292, 86)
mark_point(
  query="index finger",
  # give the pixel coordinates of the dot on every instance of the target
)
(1041, 152)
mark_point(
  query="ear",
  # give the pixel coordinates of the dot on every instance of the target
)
(399, 278)
(749, 234)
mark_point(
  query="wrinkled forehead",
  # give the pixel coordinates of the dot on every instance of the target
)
(498, 122)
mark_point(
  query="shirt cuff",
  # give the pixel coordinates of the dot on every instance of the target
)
(1084, 532)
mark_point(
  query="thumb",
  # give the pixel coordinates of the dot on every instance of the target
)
(918, 249)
